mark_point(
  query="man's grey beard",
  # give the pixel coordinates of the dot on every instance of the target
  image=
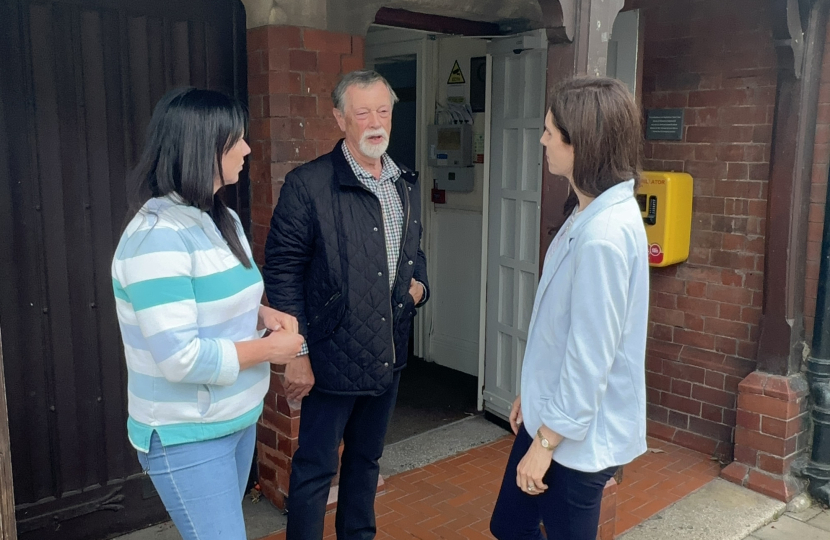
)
(374, 151)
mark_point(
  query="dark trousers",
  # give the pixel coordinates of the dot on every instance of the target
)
(569, 508)
(361, 423)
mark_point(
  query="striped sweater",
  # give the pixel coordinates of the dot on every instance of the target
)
(183, 299)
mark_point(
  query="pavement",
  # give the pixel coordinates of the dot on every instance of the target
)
(263, 518)
(724, 511)
(719, 510)
(442, 484)
(810, 524)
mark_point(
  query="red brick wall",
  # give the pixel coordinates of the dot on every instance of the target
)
(772, 432)
(715, 59)
(291, 73)
(818, 193)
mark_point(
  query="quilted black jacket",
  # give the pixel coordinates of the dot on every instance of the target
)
(326, 264)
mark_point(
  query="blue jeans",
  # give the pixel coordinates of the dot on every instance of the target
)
(569, 508)
(202, 484)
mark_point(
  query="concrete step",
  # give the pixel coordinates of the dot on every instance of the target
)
(718, 511)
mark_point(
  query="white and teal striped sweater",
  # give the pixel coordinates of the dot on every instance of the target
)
(183, 299)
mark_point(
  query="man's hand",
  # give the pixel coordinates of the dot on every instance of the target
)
(298, 378)
(273, 320)
(416, 291)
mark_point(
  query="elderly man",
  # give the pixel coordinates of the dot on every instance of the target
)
(343, 255)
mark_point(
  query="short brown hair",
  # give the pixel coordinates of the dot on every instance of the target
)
(599, 118)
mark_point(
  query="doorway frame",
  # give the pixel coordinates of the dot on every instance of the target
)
(485, 231)
(405, 42)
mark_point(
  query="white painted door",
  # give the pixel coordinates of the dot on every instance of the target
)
(518, 111)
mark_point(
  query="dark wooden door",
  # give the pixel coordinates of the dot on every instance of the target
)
(78, 81)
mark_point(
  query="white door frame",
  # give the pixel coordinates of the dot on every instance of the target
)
(485, 231)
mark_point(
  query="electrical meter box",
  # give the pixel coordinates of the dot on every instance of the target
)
(450, 145)
(665, 200)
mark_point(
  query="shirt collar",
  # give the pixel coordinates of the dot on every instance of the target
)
(610, 197)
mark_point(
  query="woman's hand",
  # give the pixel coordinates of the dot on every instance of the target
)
(283, 346)
(273, 320)
(531, 470)
(516, 418)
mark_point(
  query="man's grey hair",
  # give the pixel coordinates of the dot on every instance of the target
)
(362, 78)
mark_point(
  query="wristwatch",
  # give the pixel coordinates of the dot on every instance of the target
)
(543, 441)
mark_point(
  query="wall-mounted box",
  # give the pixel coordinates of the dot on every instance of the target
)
(665, 200)
(450, 145)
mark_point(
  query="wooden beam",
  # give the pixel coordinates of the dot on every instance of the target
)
(789, 35)
(781, 342)
(8, 526)
(559, 17)
(602, 16)
(402, 18)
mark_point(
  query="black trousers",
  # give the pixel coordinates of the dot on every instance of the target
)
(361, 423)
(569, 508)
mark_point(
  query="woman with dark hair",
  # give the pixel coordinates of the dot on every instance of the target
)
(188, 301)
(582, 409)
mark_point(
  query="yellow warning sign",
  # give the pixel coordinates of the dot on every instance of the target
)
(456, 76)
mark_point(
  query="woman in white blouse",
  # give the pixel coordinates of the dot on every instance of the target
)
(582, 409)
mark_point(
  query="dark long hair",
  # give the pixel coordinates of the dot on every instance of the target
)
(189, 133)
(599, 118)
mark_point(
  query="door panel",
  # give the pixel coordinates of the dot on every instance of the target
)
(79, 82)
(518, 101)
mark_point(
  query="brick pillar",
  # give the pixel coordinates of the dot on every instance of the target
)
(291, 73)
(772, 431)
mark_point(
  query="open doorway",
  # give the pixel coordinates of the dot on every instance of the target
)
(481, 236)
(440, 384)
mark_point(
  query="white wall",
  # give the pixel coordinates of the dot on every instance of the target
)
(451, 49)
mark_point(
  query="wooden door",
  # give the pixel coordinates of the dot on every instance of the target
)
(78, 81)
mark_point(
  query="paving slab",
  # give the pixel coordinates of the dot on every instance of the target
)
(718, 511)
(822, 521)
(788, 528)
(807, 514)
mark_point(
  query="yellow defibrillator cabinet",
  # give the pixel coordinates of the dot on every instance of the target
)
(665, 200)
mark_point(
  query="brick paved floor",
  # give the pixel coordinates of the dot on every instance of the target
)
(453, 499)
(661, 477)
